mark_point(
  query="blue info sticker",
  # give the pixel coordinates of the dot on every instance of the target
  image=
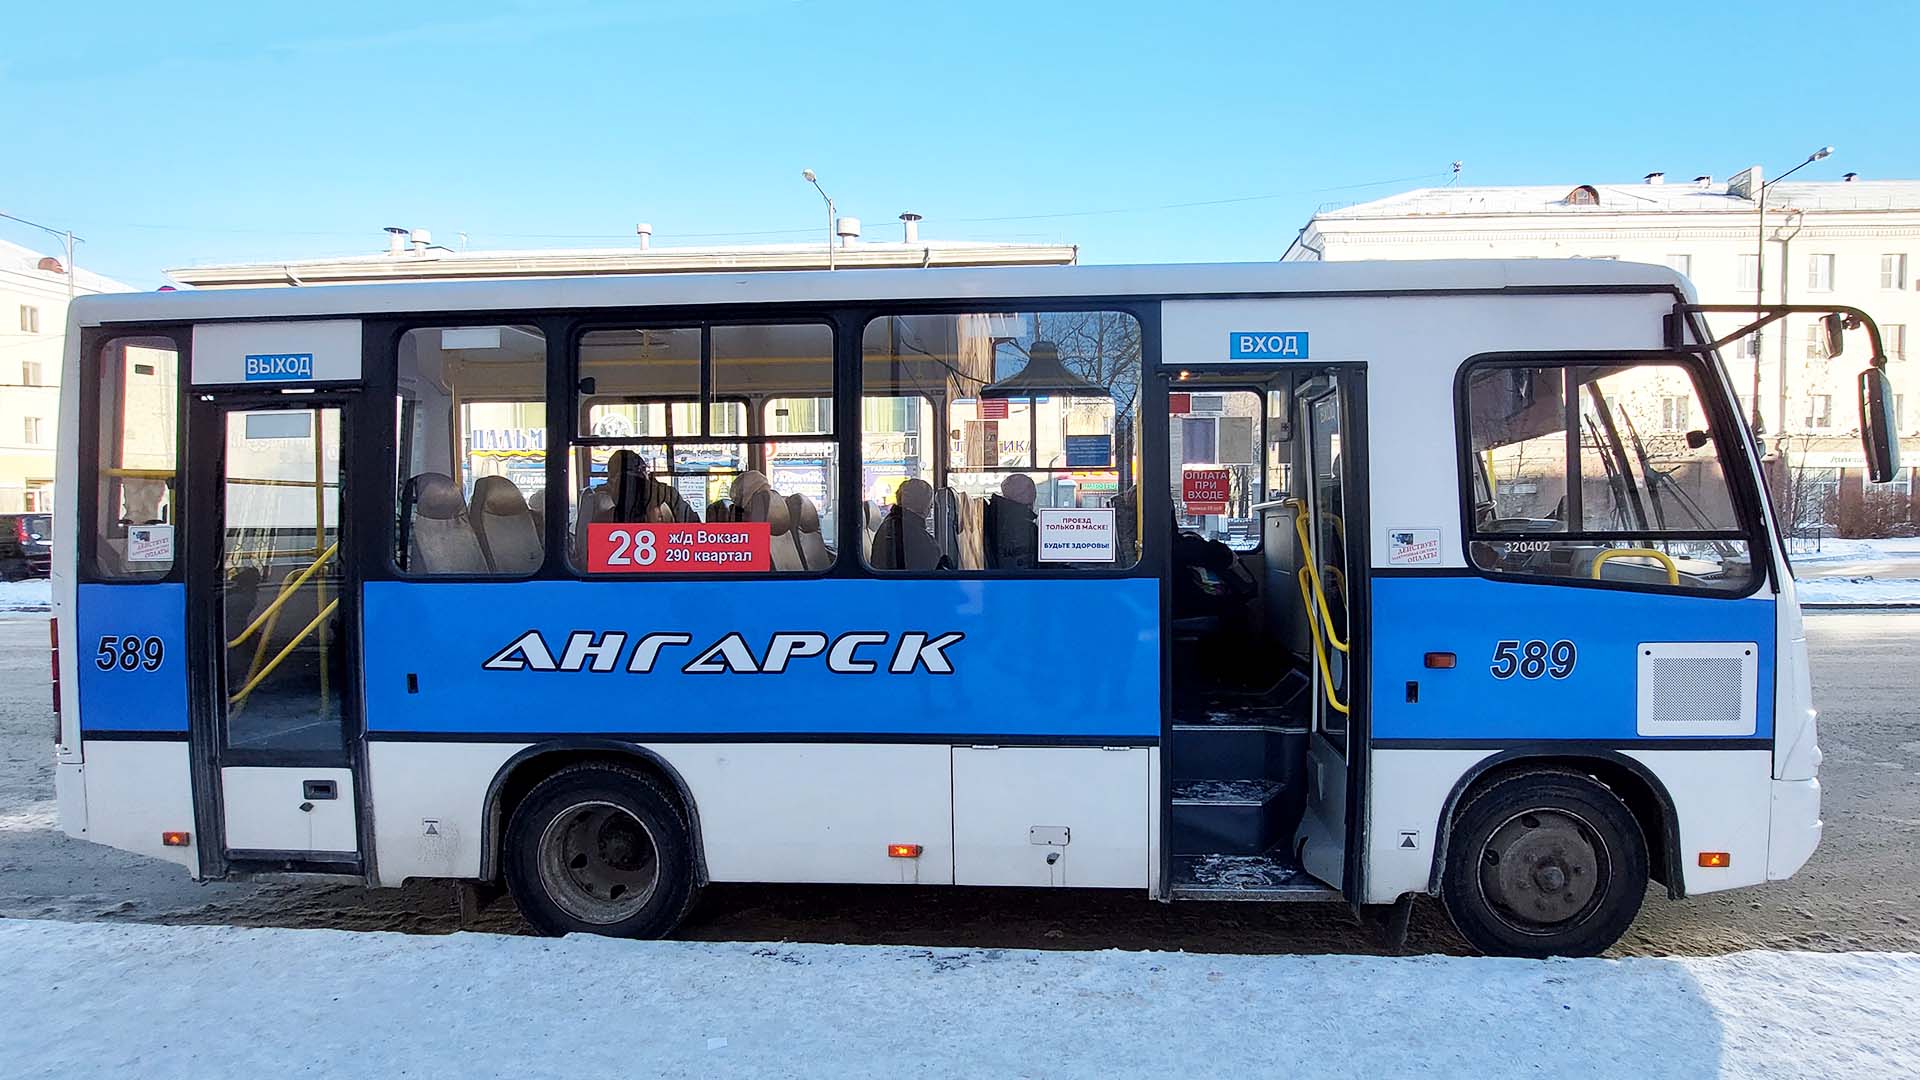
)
(1267, 345)
(279, 367)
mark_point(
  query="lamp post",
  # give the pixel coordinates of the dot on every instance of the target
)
(1760, 274)
(66, 235)
(815, 181)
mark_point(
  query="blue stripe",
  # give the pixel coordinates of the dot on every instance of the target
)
(1467, 616)
(117, 698)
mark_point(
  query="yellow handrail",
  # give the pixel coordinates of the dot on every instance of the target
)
(1319, 648)
(283, 654)
(286, 591)
(140, 474)
(1673, 572)
(1313, 561)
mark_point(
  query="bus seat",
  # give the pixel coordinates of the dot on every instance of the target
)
(806, 531)
(504, 524)
(439, 538)
(1012, 528)
(537, 506)
(786, 553)
(721, 510)
(945, 517)
(595, 505)
(970, 513)
(746, 486)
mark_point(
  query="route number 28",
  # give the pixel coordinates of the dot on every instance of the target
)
(129, 653)
(1532, 659)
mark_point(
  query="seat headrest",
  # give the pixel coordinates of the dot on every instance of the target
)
(915, 495)
(806, 516)
(537, 501)
(721, 510)
(435, 495)
(779, 517)
(498, 496)
(747, 484)
(1019, 488)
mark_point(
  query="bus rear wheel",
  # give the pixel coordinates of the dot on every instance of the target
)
(1544, 863)
(600, 849)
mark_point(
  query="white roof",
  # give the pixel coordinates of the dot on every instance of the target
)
(815, 286)
(1670, 197)
(17, 259)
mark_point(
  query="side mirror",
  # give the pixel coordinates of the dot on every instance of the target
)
(1879, 427)
(1836, 329)
(1697, 440)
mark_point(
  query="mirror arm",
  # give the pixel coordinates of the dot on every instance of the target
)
(1681, 318)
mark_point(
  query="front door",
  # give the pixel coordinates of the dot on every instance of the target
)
(1331, 511)
(273, 575)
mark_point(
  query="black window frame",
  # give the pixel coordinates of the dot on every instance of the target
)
(92, 446)
(754, 438)
(1144, 310)
(1723, 427)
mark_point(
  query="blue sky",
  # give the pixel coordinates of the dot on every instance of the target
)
(168, 133)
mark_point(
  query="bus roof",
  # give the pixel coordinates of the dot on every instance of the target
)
(814, 286)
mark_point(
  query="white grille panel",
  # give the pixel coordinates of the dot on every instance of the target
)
(1698, 687)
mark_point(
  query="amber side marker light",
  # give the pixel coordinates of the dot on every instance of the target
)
(903, 851)
(175, 839)
(1441, 660)
(1715, 859)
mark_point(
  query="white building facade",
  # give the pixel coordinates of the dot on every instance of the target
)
(34, 290)
(1852, 242)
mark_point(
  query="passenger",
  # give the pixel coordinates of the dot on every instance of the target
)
(902, 541)
(1013, 531)
(637, 496)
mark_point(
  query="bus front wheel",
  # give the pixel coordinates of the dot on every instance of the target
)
(600, 849)
(1544, 863)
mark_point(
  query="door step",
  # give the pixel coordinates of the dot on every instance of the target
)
(1230, 817)
(1245, 877)
(1230, 751)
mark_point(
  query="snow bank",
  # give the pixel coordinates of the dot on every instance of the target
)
(33, 594)
(1833, 549)
(162, 1003)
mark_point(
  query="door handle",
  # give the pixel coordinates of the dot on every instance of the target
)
(319, 789)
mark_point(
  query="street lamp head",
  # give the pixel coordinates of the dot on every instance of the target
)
(810, 178)
(1820, 153)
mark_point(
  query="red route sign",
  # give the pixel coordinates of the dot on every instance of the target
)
(1204, 491)
(679, 548)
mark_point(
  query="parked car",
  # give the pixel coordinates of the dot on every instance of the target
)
(26, 545)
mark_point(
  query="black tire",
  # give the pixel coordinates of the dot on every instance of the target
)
(1544, 863)
(600, 849)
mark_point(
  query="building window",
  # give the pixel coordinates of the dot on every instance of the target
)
(1554, 498)
(33, 427)
(38, 497)
(30, 373)
(1749, 272)
(1899, 413)
(1816, 342)
(1674, 412)
(1819, 273)
(728, 424)
(1681, 263)
(470, 486)
(29, 319)
(1894, 338)
(1893, 271)
(1040, 470)
(1819, 412)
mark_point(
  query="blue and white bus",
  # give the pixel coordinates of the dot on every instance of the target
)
(1345, 582)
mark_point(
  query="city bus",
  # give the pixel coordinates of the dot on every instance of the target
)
(1343, 582)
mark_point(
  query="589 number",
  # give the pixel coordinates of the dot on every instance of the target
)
(130, 653)
(1532, 659)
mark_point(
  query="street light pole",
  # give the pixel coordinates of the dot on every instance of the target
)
(1760, 276)
(66, 236)
(815, 181)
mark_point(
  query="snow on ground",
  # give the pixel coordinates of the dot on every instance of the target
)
(1833, 549)
(162, 1003)
(1860, 590)
(33, 594)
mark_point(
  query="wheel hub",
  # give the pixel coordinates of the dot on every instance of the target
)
(1542, 870)
(598, 862)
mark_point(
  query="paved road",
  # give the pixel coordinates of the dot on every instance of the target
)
(1861, 891)
(1880, 569)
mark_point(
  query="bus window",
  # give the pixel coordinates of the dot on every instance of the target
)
(1214, 457)
(1610, 473)
(471, 421)
(719, 424)
(139, 427)
(1035, 462)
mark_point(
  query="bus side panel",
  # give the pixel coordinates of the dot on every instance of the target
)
(133, 658)
(1431, 726)
(135, 790)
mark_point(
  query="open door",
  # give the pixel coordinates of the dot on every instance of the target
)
(271, 578)
(1333, 574)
